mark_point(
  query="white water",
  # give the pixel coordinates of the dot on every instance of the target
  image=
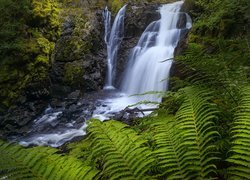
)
(113, 38)
(149, 64)
(147, 70)
(54, 138)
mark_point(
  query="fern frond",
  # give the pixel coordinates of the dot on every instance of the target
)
(185, 144)
(168, 151)
(123, 152)
(240, 157)
(17, 162)
(196, 128)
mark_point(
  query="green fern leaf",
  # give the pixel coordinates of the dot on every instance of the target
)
(185, 143)
(121, 149)
(240, 151)
(40, 163)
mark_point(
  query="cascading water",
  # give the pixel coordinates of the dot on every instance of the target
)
(150, 61)
(147, 70)
(113, 37)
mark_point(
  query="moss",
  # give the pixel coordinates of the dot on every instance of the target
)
(45, 45)
(116, 5)
(73, 73)
(42, 59)
(28, 34)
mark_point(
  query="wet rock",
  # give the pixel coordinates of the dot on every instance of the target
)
(22, 99)
(74, 95)
(18, 119)
(24, 121)
(128, 115)
(31, 106)
(56, 103)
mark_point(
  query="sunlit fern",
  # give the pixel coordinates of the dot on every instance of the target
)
(123, 153)
(17, 162)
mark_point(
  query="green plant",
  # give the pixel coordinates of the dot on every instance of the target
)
(167, 146)
(185, 144)
(40, 163)
(28, 33)
(121, 153)
(240, 151)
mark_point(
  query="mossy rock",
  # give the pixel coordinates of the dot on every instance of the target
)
(73, 74)
(70, 48)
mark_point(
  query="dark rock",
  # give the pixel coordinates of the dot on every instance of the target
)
(38, 90)
(177, 67)
(19, 119)
(24, 121)
(74, 95)
(22, 99)
(56, 103)
(73, 108)
(128, 115)
(31, 106)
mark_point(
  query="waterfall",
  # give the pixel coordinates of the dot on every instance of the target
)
(150, 61)
(113, 37)
(147, 70)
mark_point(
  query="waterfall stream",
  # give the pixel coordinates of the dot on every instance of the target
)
(113, 38)
(147, 70)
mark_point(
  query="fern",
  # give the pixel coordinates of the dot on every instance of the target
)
(197, 129)
(168, 150)
(185, 143)
(120, 148)
(40, 163)
(240, 150)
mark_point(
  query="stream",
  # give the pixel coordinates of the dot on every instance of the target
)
(147, 70)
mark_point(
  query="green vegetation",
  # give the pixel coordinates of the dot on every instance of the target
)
(40, 163)
(28, 32)
(73, 73)
(240, 135)
(201, 130)
(167, 146)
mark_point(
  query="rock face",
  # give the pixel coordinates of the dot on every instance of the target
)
(79, 59)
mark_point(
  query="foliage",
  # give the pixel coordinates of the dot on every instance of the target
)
(185, 144)
(73, 73)
(40, 163)
(122, 151)
(28, 32)
(180, 146)
(240, 154)
(181, 141)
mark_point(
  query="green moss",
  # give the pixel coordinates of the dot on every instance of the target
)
(116, 5)
(42, 59)
(73, 73)
(28, 33)
(45, 45)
